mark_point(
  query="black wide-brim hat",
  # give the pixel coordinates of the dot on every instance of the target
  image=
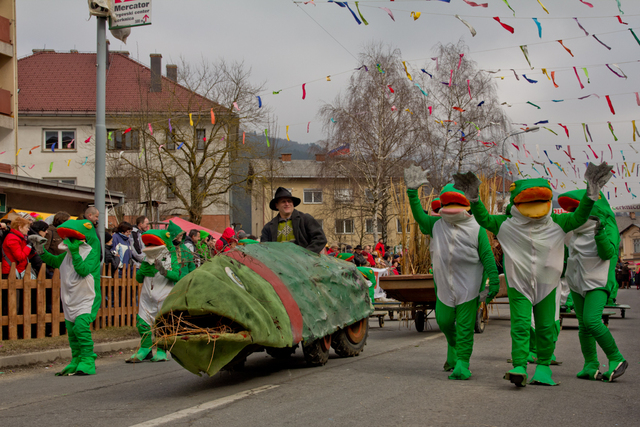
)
(280, 193)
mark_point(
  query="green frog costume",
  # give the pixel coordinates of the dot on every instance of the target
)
(593, 253)
(79, 266)
(462, 259)
(532, 238)
(158, 273)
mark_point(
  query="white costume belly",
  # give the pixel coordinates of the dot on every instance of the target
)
(154, 291)
(534, 254)
(77, 293)
(585, 269)
(457, 269)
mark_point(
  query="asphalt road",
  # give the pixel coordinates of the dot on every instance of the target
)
(397, 380)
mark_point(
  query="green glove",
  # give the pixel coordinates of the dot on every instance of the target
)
(147, 269)
(494, 289)
(73, 245)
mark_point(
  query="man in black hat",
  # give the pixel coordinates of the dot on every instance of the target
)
(291, 225)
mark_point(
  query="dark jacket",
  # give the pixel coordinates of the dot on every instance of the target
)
(306, 230)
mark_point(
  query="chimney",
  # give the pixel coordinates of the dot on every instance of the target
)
(286, 157)
(156, 72)
(172, 72)
(319, 157)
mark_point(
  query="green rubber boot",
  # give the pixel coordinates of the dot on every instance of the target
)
(461, 371)
(71, 368)
(616, 369)
(542, 376)
(590, 371)
(161, 356)
(452, 359)
(518, 376)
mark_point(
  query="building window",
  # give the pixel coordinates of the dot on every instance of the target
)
(344, 226)
(130, 187)
(369, 226)
(201, 136)
(71, 181)
(636, 246)
(60, 140)
(171, 185)
(399, 225)
(312, 196)
(343, 195)
(117, 140)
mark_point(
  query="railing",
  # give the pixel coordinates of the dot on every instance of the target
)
(31, 308)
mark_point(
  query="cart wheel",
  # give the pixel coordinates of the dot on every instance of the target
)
(381, 321)
(622, 312)
(316, 353)
(561, 319)
(281, 353)
(419, 321)
(480, 323)
(350, 341)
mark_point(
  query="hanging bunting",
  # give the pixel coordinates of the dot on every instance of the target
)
(581, 27)
(481, 103)
(509, 6)
(86, 141)
(585, 127)
(578, 77)
(259, 101)
(469, 89)
(584, 2)
(619, 7)
(308, 124)
(458, 109)
(550, 130)
(235, 104)
(565, 48)
(615, 138)
(304, 91)
(634, 35)
(380, 68)
(637, 99)
(390, 89)
(471, 29)
(544, 71)
(610, 151)
(426, 72)
(437, 65)
(277, 92)
(364, 21)
(566, 129)
(623, 76)
(345, 4)
(539, 27)
(460, 60)
(529, 102)
(389, 12)
(431, 111)
(415, 15)
(553, 78)
(474, 4)
(170, 129)
(599, 41)
(190, 120)
(266, 134)
(450, 78)
(505, 26)
(592, 94)
(620, 20)
(541, 122)
(528, 79)
(287, 132)
(213, 117)
(525, 52)
(515, 74)
(594, 153)
(33, 148)
(109, 136)
(610, 105)
(407, 72)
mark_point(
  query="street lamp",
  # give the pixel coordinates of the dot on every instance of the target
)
(504, 169)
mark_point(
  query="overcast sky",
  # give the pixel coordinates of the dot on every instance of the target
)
(287, 44)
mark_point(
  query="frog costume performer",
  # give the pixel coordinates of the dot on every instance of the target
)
(532, 238)
(591, 275)
(184, 255)
(79, 290)
(158, 273)
(462, 259)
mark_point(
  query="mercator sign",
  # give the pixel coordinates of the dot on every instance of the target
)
(130, 13)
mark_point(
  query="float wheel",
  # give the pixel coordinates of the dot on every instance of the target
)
(316, 353)
(350, 341)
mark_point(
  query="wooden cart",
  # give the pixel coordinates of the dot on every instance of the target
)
(418, 290)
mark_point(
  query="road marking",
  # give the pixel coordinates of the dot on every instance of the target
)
(204, 407)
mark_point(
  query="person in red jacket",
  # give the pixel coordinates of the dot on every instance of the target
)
(380, 247)
(227, 241)
(368, 255)
(15, 249)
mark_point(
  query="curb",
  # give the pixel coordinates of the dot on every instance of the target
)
(51, 355)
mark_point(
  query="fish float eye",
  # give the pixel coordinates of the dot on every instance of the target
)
(234, 278)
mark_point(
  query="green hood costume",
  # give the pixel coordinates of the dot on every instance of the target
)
(462, 260)
(593, 254)
(79, 290)
(184, 255)
(272, 295)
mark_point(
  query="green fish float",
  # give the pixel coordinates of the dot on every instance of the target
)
(270, 296)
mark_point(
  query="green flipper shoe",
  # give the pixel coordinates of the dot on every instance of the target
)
(590, 371)
(517, 376)
(532, 358)
(142, 355)
(161, 356)
(614, 373)
(461, 371)
(542, 376)
(452, 359)
(87, 365)
(70, 369)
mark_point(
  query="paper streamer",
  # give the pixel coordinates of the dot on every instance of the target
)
(304, 91)
(585, 129)
(529, 80)
(539, 27)
(469, 89)
(594, 153)
(553, 132)
(581, 27)
(599, 41)
(610, 151)
(308, 124)
(471, 29)
(634, 35)
(458, 109)
(110, 136)
(33, 148)
(364, 21)
(427, 73)
(170, 129)
(389, 12)
(578, 77)
(474, 4)
(515, 74)
(623, 76)
(235, 104)
(505, 26)
(86, 141)
(586, 73)
(259, 102)
(459, 62)
(566, 129)
(584, 2)
(450, 78)
(437, 65)
(50, 167)
(619, 7)
(266, 134)
(431, 111)
(620, 20)
(565, 48)
(72, 141)
(615, 138)
(509, 6)
(610, 105)
(525, 52)
(544, 71)
(190, 120)
(287, 131)
(415, 15)
(380, 68)
(421, 90)
(553, 78)
(529, 102)
(407, 72)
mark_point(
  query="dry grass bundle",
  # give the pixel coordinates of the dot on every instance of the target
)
(172, 326)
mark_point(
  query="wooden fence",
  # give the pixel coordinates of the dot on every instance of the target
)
(31, 308)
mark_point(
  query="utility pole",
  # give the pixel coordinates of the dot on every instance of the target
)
(101, 130)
